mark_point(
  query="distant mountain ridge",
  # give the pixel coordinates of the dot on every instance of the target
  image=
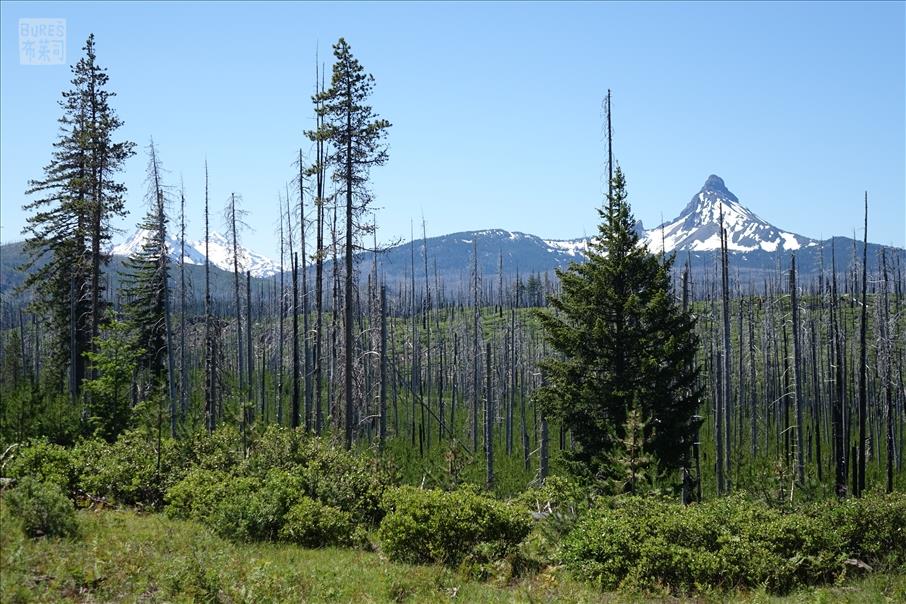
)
(757, 248)
(695, 229)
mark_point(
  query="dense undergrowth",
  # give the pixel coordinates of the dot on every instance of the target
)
(286, 487)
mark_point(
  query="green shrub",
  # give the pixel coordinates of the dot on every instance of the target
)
(126, 471)
(872, 528)
(555, 505)
(351, 481)
(269, 505)
(649, 543)
(423, 526)
(731, 542)
(235, 514)
(289, 464)
(42, 508)
(277, 447)
(242, 508)
(354, 484)
(245, 508)
(226, 504)
(46, 462)
(605, 546)
(312, 524)
(557, 495)
(193, 497)
(221, 450)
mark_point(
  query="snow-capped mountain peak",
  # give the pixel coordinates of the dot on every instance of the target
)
(220, 250)
(697, 228)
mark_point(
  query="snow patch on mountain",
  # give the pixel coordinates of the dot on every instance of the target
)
(697, 228)
(573, 247)
(220, 250)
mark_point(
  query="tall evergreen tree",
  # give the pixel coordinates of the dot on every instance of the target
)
(146, 285)
(356, 138)
(69, 229)
(623, 342)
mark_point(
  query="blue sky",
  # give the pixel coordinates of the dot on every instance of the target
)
(496, 108)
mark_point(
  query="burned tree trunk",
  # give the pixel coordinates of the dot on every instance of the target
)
(797, 374)
(488, 422)
(382, 433)
(294, 414)
(863, 397)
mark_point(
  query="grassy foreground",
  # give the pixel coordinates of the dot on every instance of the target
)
(124, 556)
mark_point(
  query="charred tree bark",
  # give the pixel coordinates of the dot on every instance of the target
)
(281, 309)
(183, 370)
(309, 419)
(234, 235)
(476, 354)
(489, 422)
(382, 432)
(294, 414)
(840, 452)
(727, 351)
(797, 375)
(209, 351)
(888, 376)
(863, 397)
(249, 357)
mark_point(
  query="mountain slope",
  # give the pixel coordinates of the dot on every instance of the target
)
(697, 228)
(221, 253)
(757, 249)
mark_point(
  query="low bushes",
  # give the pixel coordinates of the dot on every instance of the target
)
(197, 494)
(264, 496)
(316, 495)
(732, 542)
(126, 471)
(872, 528)
(246, 508)
(424, 526)
(284, 485)
(313, 524)
(350, 481)
(42, 508)
(242, 491)
(46, 462)
(555, 505)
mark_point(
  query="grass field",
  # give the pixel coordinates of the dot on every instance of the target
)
(125, 556)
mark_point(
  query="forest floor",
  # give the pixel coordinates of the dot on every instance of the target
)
(125, 556)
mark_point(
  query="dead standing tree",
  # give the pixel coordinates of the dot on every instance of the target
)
(234, 216)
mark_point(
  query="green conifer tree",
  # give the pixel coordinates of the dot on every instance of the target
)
(69, 228)
(146, 284)
(356, 141)
(622, 340)
(108, 404)
(633, 466)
